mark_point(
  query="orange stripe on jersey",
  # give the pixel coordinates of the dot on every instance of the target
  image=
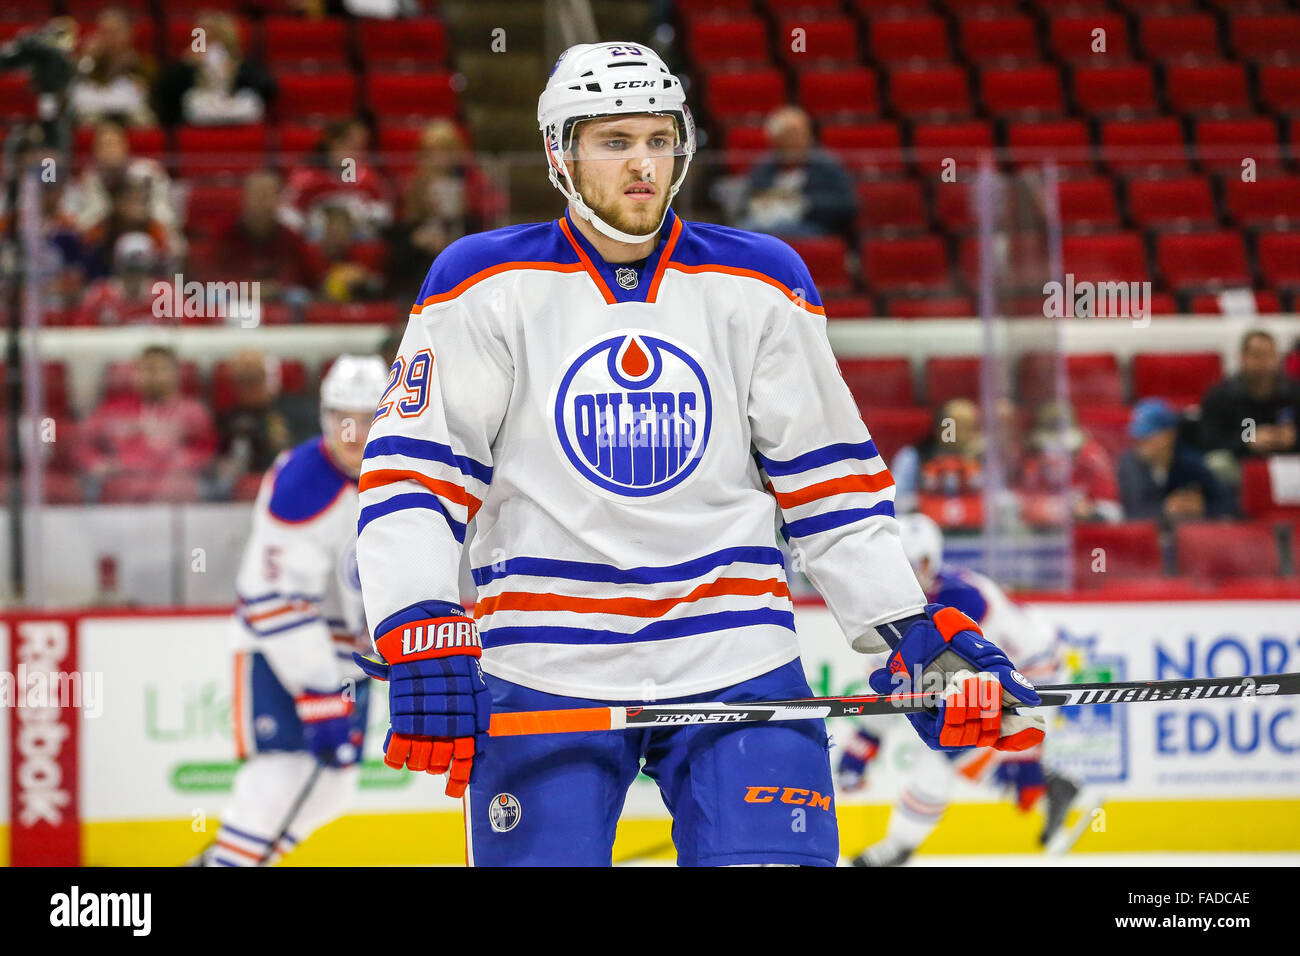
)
(586, 263)
(280, 609)
(496, 270)
(751, 274)
(663, 259)
(631, 607)
(834, 486)
(975, 768)
(239, 849)
(237, 707)
(443, 489)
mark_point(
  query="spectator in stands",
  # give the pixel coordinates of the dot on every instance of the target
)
(339, 174)
(1161, 479)
(127, 296)
(89, 199)
(215, 85)
(258, 247)
(261, 423)
(345, 269)
(1068, 474)
(798, 189)
(150, 442)
(113, 77)
(1255, 411)
(128, 213)
(446, 197)
(948, 464)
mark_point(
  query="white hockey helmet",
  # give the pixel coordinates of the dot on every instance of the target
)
(354, 383)
(922, 539)
(591, 80)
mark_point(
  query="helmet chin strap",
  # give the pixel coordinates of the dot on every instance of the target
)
(605, 229)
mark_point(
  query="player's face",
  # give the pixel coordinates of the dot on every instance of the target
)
(624, 169)
(345, 434)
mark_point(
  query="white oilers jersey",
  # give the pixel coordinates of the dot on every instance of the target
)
(298, 590)
(629, 441)
(1028, 640)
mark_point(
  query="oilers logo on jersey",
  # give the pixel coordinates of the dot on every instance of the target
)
(633, 413)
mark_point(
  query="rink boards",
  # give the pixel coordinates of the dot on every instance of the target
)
(140, 772)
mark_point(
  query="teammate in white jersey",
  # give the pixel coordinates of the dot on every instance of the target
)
(933, 776)
(300, 701)
(627, 405)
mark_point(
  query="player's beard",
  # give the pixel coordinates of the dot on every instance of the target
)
(643, 219)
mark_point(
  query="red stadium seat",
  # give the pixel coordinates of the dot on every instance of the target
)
(951, 376)
(825, 257)
(1279, 88)
(353, 313)
(1264, 202)
(17, 101)
(848, 307)
(899, 265)
(1258, 37)
(745, 144)
(879, 382)
(1257, 493)
(1112, 554)
(913, 38)
(728, 42)
(1279, 259)
(1212, 551)
(1167, 38)
(1064, 142)
(1027, 90)
(1209, 303)
(891, 204)
(1207, 87)
(750, 95)
(423, 95)
(851, 93)
(207, 150)
(1088, 202)
(940, 90)
(1223, 144)
(389, 44)
(1115, 257)
(297, 141)
(1108, 424)
(1164, 202)
(865, 147)
(963, 142)
(1072, 36)
(300, 42)
(1093, 378)
(1128, 88)
(930, 307)
(1175, 376)
(980, 8)
(210, 208)
(1204, 259)
(831, 40)
(317, 96)
(952, 206)
(895, 428)
(993, 39)
(1127, 144)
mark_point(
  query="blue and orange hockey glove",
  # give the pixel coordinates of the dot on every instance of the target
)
(438, 704)
(943, 652)
(329, 730)
(1027, 777)
(859, 750)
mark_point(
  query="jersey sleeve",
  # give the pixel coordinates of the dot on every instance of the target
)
(835, 495)
(428, 460)
(282, 582)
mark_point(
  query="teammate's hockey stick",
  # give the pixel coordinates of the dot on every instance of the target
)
(1058, 695)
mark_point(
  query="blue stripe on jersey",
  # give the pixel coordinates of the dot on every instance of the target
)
(703, 244)
(292, 596)
(834, 519)
(470, 255)
(658, 631)
(607, 573)
(428, 451)
(844, 451)
(416, 499)
(245, 835)
(306, 484)
(268, 632)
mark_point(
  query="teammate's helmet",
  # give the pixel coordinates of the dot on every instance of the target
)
(354, 383)
(921, 539)
(604, 79)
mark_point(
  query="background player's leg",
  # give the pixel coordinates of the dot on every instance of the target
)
(551, 799)
(749, 795)
(917, 811)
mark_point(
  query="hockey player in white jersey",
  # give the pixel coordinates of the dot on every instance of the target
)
(627, 405)
(299, 700)
(933, 776)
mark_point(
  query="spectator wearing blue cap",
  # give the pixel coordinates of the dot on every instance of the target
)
(1158, 478)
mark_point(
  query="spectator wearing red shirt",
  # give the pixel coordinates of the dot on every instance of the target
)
(257, 247)
(346, 269)
(1068, 474)
(127, 297)
(151, 443)
(340, 174)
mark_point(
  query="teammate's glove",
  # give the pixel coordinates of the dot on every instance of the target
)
(328, 730)
(1026, 776)
(943, 650)
(859, 750)
(439, 706)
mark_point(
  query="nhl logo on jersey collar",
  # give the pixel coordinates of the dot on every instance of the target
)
(620, 283)
(627, 278)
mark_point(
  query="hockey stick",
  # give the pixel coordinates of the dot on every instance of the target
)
(294, 810)
(1058, 695)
